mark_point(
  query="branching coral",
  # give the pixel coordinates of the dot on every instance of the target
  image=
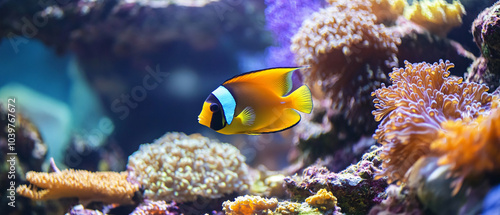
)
(437, 16)
(243, 205)
(107, 187)
(470, 147)
(412, 109)
(181, 168)
(348, 55)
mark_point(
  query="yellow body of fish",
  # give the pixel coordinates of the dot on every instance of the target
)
(256, 102)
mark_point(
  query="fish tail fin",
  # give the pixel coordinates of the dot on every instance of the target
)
(301, 99)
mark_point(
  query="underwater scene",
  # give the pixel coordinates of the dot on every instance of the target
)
(242, 107)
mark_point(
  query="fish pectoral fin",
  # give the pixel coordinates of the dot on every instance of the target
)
(247, 116)
(288, 119)
(301, 99)
(279, 80)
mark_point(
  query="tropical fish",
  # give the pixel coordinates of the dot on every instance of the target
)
(256, 102)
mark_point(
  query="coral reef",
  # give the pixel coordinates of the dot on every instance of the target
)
(120, 45)
(266, 182)
(430, 182)
(347, 54)
(156, 208)
(107, 187)
(398, 201)
(437, 16)
(80, 210)
(323, 200)
(181, 168)
(355, 187)
(470, 147)
(21, 148)
(412, 109)
(418, 44)
(384, 10)
(486, 35)
(243, 205)
(250, 205)
(29, 145)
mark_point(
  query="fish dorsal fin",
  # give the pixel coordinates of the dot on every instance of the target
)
(279, 80)
(247, 116)
(288, 119)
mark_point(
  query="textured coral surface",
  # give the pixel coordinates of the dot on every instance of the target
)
(437, 16)
(108, 187)
(412, 109)
(181, 168)
(470, 147)
(250, 205)
(348, 55)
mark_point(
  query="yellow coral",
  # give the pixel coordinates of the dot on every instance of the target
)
(384, 10)
(437, 16)
(107, 187)
(181, 168)
(323, 200)
(470, 147)
(412, 109)
(288, 208)
(244, 205)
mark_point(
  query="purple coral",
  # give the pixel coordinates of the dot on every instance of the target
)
(284, 18)
(355, 188)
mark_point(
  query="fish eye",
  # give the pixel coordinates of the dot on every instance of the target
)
(214, 107)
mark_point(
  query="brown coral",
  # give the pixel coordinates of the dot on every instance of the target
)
(181, 168)
(470, 147)
(244, 205)
(107, 187)
(348, 55)
(323, 200)
(412, 109)
(437, 16)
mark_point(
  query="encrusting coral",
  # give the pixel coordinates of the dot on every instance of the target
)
(323, 199)
(321, 203)
(243, 205)
(156, 208)
(437, 16)
(412, 109)
(355, 188)
(106, 187)
(485, 30)
(181, 168)
(470, 147)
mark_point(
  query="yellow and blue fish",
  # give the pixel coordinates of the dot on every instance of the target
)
(256, 102)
